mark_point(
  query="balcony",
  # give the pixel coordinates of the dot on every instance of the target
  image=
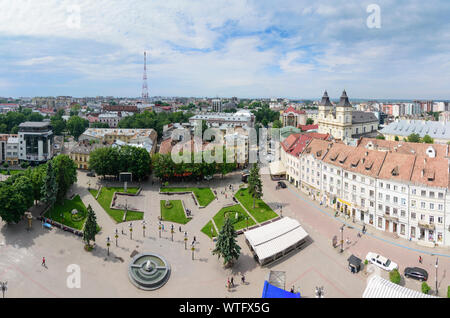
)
(390, 217)
(425, 225)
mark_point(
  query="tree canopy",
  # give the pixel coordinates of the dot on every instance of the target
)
(154, 120)
(226, 246)
(76, 126)
(254, 183)
(9, 122)
(114, 160)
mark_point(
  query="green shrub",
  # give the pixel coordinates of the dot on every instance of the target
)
(448, 292)
(24, 164)
(394, 276)
(425, 288)
(366, 262)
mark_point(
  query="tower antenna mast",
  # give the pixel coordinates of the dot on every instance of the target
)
(144, 81)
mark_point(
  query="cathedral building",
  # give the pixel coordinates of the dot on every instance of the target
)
(342, 122)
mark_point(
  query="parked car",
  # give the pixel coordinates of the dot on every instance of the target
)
(244, 177)
(90, 174)
(381, 261)
(416, 273)
(282, 184)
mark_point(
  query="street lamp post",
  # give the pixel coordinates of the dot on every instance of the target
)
(437, 261)
(341, 229)
(281, 210)
(4, 287)
(159, 227)
(117, 236)
(108, 243)
(185, 240)
(172, 231)
(192, 249)
(131, 231)
(143, 227)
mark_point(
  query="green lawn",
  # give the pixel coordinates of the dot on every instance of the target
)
(11, 171)
(173, 214)
(239, 223)
(204, 195)
(262, 212)
(66, 208)
(207, 229)
(105, 198)
(133, 216)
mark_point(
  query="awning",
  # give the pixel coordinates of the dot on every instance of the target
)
(273, 238)
(378, 287)
(277, 168)
(345, 202)
(270, 291)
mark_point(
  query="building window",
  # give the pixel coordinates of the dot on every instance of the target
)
(431, 194)
(413, 231)
(422, 205)
(431, 206)
(380, 222)
(402, 229)
(403, 213)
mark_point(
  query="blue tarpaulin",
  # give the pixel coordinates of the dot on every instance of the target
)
(271, 291)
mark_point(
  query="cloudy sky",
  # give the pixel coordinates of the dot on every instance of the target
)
(273, 48)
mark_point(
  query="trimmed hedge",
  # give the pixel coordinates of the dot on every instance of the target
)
(394, 276)
(425, 288)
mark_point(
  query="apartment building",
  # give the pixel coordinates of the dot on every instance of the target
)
(145, 138)
(35, 142)
(397, 187)
(12, 150)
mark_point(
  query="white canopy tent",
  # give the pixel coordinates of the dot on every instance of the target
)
(277, 168)
(276, 239)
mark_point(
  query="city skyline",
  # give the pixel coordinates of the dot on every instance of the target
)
(249, 49)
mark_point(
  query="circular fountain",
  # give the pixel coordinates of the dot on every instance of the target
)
(148, 271)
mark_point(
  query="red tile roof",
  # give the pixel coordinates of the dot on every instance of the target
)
(308, 127)
(293, 110)
(166, 146)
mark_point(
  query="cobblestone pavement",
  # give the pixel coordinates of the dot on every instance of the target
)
(317, 264)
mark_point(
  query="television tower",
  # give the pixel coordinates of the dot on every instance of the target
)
(144, 82)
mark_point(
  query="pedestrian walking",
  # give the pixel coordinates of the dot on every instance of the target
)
(179, 228)
(243, 279)
(43, 261)
(232, 282)
(195, 240)
(292, 289)
(420, 259)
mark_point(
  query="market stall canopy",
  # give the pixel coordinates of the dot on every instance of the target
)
(277, 168)
(271, 239)
(271, 291)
